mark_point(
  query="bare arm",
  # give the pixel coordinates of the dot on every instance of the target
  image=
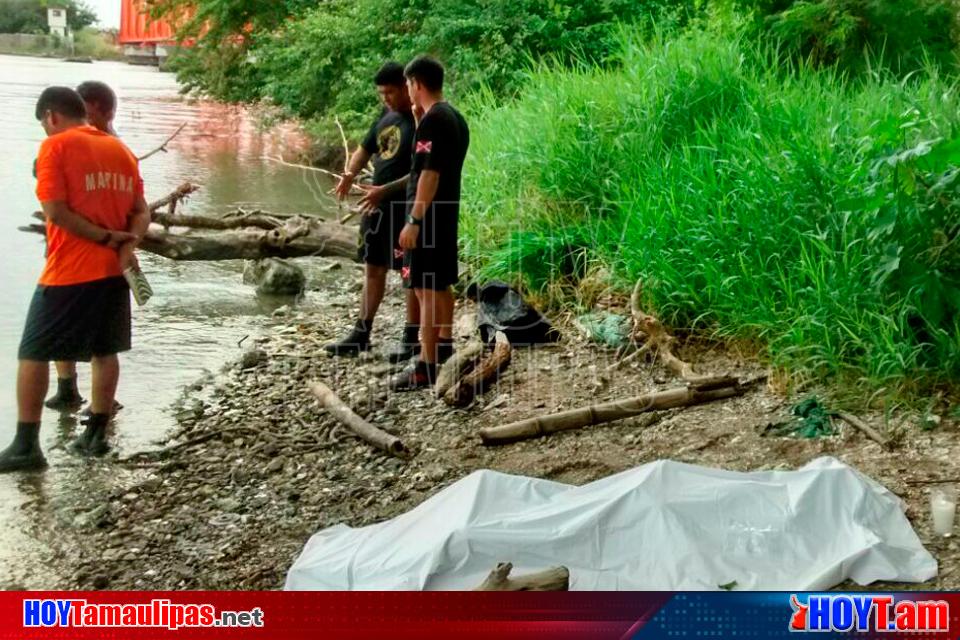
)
(375, 195)
(358, 161)
(396, 188)
(426, 191)
(137, 225)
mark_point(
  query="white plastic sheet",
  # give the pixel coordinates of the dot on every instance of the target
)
(662, 526)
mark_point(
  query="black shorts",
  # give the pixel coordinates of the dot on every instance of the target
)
(380, 237)
(433, 264)
(77, 322)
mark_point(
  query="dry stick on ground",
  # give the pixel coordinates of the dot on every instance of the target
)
(655, 339)
(867, 430)
(555, 579)
(482, 376)
(163, 147)
(694, 393)
(456, 367)
(339, 410)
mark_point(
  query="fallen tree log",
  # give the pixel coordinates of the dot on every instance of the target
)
(256, 220)
(339, 410)
(482, 376)
(555, 579)
(241, 235)
(318, 239)
(707, 390)
(456, 367)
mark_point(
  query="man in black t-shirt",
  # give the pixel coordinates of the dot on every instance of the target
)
(429, 237)
(384, 206)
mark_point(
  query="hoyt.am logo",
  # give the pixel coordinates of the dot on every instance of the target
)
(850, 612)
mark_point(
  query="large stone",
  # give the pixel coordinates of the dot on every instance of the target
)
(274, 276)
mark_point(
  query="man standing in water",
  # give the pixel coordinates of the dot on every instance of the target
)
(89, 186)
(429, 237)
(101, 105)
(389, 144)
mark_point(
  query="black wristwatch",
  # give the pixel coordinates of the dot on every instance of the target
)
(412, 220)
(105, 240)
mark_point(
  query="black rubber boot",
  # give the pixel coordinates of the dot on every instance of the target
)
(445, 350)
(24, 453)
(356, 341)
(408, 346)
(67, 397)
(93, 440)
(116, 407)
(417, 376)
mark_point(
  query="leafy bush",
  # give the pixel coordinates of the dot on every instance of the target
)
(814, 214)
(321, 62)
(900, 35)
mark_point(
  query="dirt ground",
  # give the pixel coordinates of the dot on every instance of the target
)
(257, 467)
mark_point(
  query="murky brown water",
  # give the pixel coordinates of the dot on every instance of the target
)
(199, 312)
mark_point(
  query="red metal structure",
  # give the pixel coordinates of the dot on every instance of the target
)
(137, 29)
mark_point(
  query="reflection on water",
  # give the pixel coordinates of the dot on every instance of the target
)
(200, 310)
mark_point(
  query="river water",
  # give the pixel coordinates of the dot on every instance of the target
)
(200, 310)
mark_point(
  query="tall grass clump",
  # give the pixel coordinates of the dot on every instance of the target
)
(811, 211)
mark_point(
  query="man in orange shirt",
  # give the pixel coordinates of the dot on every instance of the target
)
(101, 104)
(89, 185)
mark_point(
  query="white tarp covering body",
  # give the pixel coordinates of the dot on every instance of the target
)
(662, 526)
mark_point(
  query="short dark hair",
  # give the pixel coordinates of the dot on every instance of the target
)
(62, 100)
(427, 71)
(391, 73)
(99, 93)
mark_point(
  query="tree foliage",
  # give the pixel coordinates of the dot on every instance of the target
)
(30, 16)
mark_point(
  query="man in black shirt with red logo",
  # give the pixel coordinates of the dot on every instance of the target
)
(429, 236)
(384, 207)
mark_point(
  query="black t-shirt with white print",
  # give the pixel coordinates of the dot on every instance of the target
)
(389, 142)
(440, 145)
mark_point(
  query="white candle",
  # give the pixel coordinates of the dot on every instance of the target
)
(943, 510)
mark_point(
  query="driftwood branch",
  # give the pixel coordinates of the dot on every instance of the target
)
(482, 376)
(707, 390)
(339, 410)
(457, 366)
(862, 426)
(163, 147)
(555, 579)
(173, 198)
(653, 338)
(346, 145)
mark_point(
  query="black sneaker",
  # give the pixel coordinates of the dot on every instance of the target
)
(93, 440)
(357, 341)
(417, 376)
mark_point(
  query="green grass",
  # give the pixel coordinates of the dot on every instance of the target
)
(753, 201)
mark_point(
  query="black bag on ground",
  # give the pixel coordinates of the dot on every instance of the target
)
(502, 308)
